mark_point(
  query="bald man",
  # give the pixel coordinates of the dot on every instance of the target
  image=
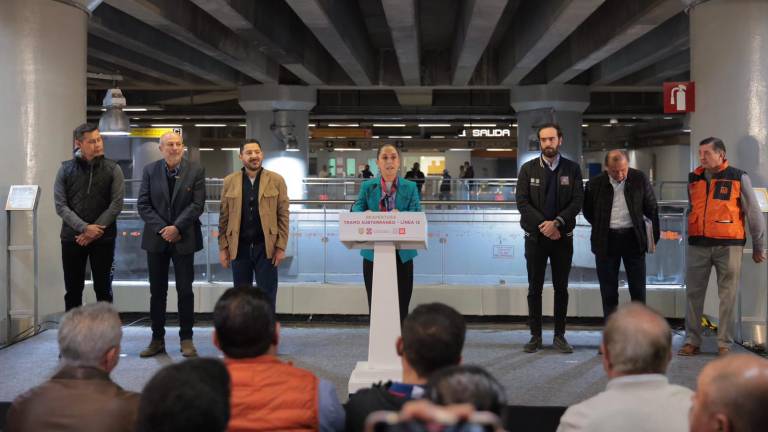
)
(637, 347)
(732, 395)
(616, 204)
(171, 200)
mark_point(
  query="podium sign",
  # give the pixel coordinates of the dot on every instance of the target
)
(384, 233)
(408, 230)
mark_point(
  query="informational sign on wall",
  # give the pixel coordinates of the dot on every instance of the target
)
(153, 132)
(679, 97)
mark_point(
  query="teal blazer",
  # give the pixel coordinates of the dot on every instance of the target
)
(406, 199)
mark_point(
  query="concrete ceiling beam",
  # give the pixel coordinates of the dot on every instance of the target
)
(665, 40)
(610, 28)
(537, 29)
(278, 32)
(670, 67)
(107, 51)
(199, 30)
(404, 25)
(110, 24)
(340, 28)
(476, 23)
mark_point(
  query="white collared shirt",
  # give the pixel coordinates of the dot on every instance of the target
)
(552, 166)
(620, 217)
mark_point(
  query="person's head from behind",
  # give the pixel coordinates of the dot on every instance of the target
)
(636, 340)
(186, 396)
(416, 166)
(88, 140)
(433, 337)
(467, 384)
(244, 324)
(711, 153)
(89, 336)
(617, 164)
(731, 395)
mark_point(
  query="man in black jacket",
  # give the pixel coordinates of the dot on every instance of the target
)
(616, 203)
(549, 197)
(88, 194)
(433, 337)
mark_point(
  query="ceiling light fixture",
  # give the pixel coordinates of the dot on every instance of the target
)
(389, 125)
(343, 124)
(425, 125)
(114, 121)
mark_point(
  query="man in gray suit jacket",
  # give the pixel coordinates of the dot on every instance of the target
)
(171, 200)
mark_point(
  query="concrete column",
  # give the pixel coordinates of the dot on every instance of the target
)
(275, 115)
(729, 42)
(562, 104)
(42, 83)
(144, 151)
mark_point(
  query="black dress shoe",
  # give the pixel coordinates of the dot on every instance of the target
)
(562, 345)
(533, 345)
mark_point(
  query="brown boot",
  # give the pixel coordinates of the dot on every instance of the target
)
(157, 346)
(188, 348)
(689, 350)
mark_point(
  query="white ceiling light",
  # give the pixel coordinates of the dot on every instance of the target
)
(343, 124)
(165, 125)
(205, 149)
(584, 125)
(210, 125)
(400, 136)
(479, 125)
(434, 125)
(114, 121)
(438, 137)
(311, 124)
(347, 149)
(242, 125)
(460, 149)
(389, 125)
(237, 149)
(499, 149)
(514, 125)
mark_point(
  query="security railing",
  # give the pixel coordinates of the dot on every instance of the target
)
(472, 242)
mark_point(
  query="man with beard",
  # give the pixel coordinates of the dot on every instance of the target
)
(549, 196)
(253, 222)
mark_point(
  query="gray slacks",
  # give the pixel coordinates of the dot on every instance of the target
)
(727, 263)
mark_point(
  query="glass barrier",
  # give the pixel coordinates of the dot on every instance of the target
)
(434, 188)
(471, 243)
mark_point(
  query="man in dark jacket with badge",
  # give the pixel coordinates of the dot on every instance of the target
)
(617, 204)
(88, 194)
(549, 197)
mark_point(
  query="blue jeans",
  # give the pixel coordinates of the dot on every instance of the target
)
(252, 259)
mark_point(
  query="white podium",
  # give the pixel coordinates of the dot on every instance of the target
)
(384, 233)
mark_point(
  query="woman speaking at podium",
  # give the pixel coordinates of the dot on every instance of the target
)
(389, 192)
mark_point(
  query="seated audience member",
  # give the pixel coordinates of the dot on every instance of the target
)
(433, 337)
(80, 396)
(732, 395)
(189, 396)
(267, 394)
(468, 384)
(637, 347)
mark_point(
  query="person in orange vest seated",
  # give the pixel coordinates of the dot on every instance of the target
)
(720, 200)
(268, 394)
